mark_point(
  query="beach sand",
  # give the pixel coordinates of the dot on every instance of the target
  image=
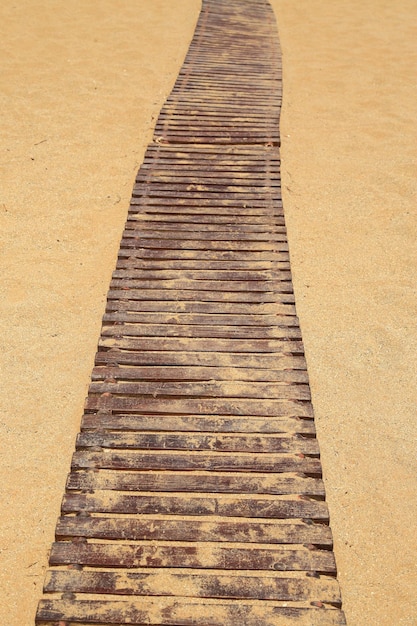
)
(81, 85)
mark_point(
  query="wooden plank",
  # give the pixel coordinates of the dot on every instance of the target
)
(214, 196)
(189, 159)
(215, 331)
(219, 136)
(188, 215)
(253, 346)
(217, 103)
(236, 254)
(252, 152)
(267, 507)
(184, 284)
(225, 122)
(201, 406)
(202, 295)
(201, 529)
(225, 442)
(197, 344)
(182, 205)
(232, 167)
(280, 484)
(199, 234)
(176, 611)
(219, 94)
(197, 156)
(245, 277)
(150, 217)
(178, 373)
(204, 389)
(203, 114)
(241, 246)
(194, 460)
(134, 262)
(195, 585)
(187, 306)
(203, 182)
(187, 554)
(269, 321)
(237, 361)
(196, 423)
(182, 227)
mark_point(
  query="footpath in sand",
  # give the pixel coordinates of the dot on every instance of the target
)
(80, 92)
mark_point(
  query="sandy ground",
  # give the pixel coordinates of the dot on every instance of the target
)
(81, 85)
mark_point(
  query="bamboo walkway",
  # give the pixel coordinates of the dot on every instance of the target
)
(195, 495)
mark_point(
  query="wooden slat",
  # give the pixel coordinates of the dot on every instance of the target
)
(196, 423)
(201, 585)
(261, 444)
(269, 321)
(241, 246)
(178, 373)
(202, 331)
(195, 460)
(209, 482)
(211, 556)
(200, 406)
(201, 529)
(269, 507)
(176, 295)
(238, 361)
(171, 612)
(196, 344)
(186, 306)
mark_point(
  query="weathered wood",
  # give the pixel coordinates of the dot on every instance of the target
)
(187, 554)
(202, 274)
(196, 344)
(136, 263)
(200, 406)
(218, 252)
(245, 239)
(179, 373)
(236, 205)
(155, 294)
(171, 612)
(150, 528)
(261, 286)
(201, 585)
(224, 442)
(123, 303)
(260, 321)
(238, 361)
(278, 484)
(197, 423)
(226, 180)
(241, 246)
(195, 460)
(194, 330)
(182, 220)
(268, 507)
(204, 389)
(233, 169)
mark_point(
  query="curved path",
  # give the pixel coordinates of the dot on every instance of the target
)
(195, 494)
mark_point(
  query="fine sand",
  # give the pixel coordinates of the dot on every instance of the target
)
(81, 86)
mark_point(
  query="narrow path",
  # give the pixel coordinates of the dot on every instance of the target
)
(195, 494)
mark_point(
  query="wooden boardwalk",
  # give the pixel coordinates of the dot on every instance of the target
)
(195, 495)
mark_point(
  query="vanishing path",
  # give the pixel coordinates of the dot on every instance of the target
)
(195, 494)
